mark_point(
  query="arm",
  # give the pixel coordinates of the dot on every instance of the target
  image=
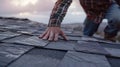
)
(57, 15)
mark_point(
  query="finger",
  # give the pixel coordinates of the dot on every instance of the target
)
(63, 35)
(51, 36)
(46, 36)
(42, 35)
(56, 37)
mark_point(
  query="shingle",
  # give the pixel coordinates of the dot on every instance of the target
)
(114, 52)
(37, 33)
(90, 47)
(61, 45)
(72, 38)
(11, 27)
(34, 41)
(27, 31)
(106, 45)
(13, 40)
(5, 35)
(74, 34)
(77, 59)
(115, 62)
(10, 52)
(96, 39)
(39, 58)
(88, 53)
(2, 30)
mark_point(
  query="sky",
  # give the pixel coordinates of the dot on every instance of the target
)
(39, 10)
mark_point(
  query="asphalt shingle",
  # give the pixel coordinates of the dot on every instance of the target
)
(77, 59)
(10, 52)
(34, 41)
(62, 45)
(90, 47)
(13, 40)
(39, 58)
(5, 35)
(21, 47)
(114, 52)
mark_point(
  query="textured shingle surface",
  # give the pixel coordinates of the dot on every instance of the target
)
(78, 59)
(90, 47)
(21, 47)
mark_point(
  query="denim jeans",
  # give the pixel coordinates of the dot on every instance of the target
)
(113, 17)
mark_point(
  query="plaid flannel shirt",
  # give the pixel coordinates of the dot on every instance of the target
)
(95, 10)
(58, 12)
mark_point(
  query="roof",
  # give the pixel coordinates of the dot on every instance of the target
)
(21, 47)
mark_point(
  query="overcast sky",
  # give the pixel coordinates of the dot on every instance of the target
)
(39, 10)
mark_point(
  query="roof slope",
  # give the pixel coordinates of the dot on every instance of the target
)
(21, 47)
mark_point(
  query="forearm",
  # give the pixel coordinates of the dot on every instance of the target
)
(58, 13)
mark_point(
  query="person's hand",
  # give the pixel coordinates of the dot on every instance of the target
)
(52, 34)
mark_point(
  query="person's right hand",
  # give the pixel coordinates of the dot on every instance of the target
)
(52, 34)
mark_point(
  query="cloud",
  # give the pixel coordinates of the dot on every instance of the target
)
(41, 9)
(6, 7)
(41, 6)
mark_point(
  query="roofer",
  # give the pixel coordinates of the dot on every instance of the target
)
(96, 11)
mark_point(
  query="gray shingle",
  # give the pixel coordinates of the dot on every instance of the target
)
(13, 40)
(27, 31)
(90, 47)
(11, 27)
(77, 59)
(116, 46)
(74, 34)
(73, 38)
(115, 62)
(114, 52)
(5, 35)
(33, 41)
(10, 52)
(62, 45)
(39, 58)
(87, 53)
(96, 39)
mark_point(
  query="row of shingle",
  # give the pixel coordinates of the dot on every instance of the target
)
(47, 57)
